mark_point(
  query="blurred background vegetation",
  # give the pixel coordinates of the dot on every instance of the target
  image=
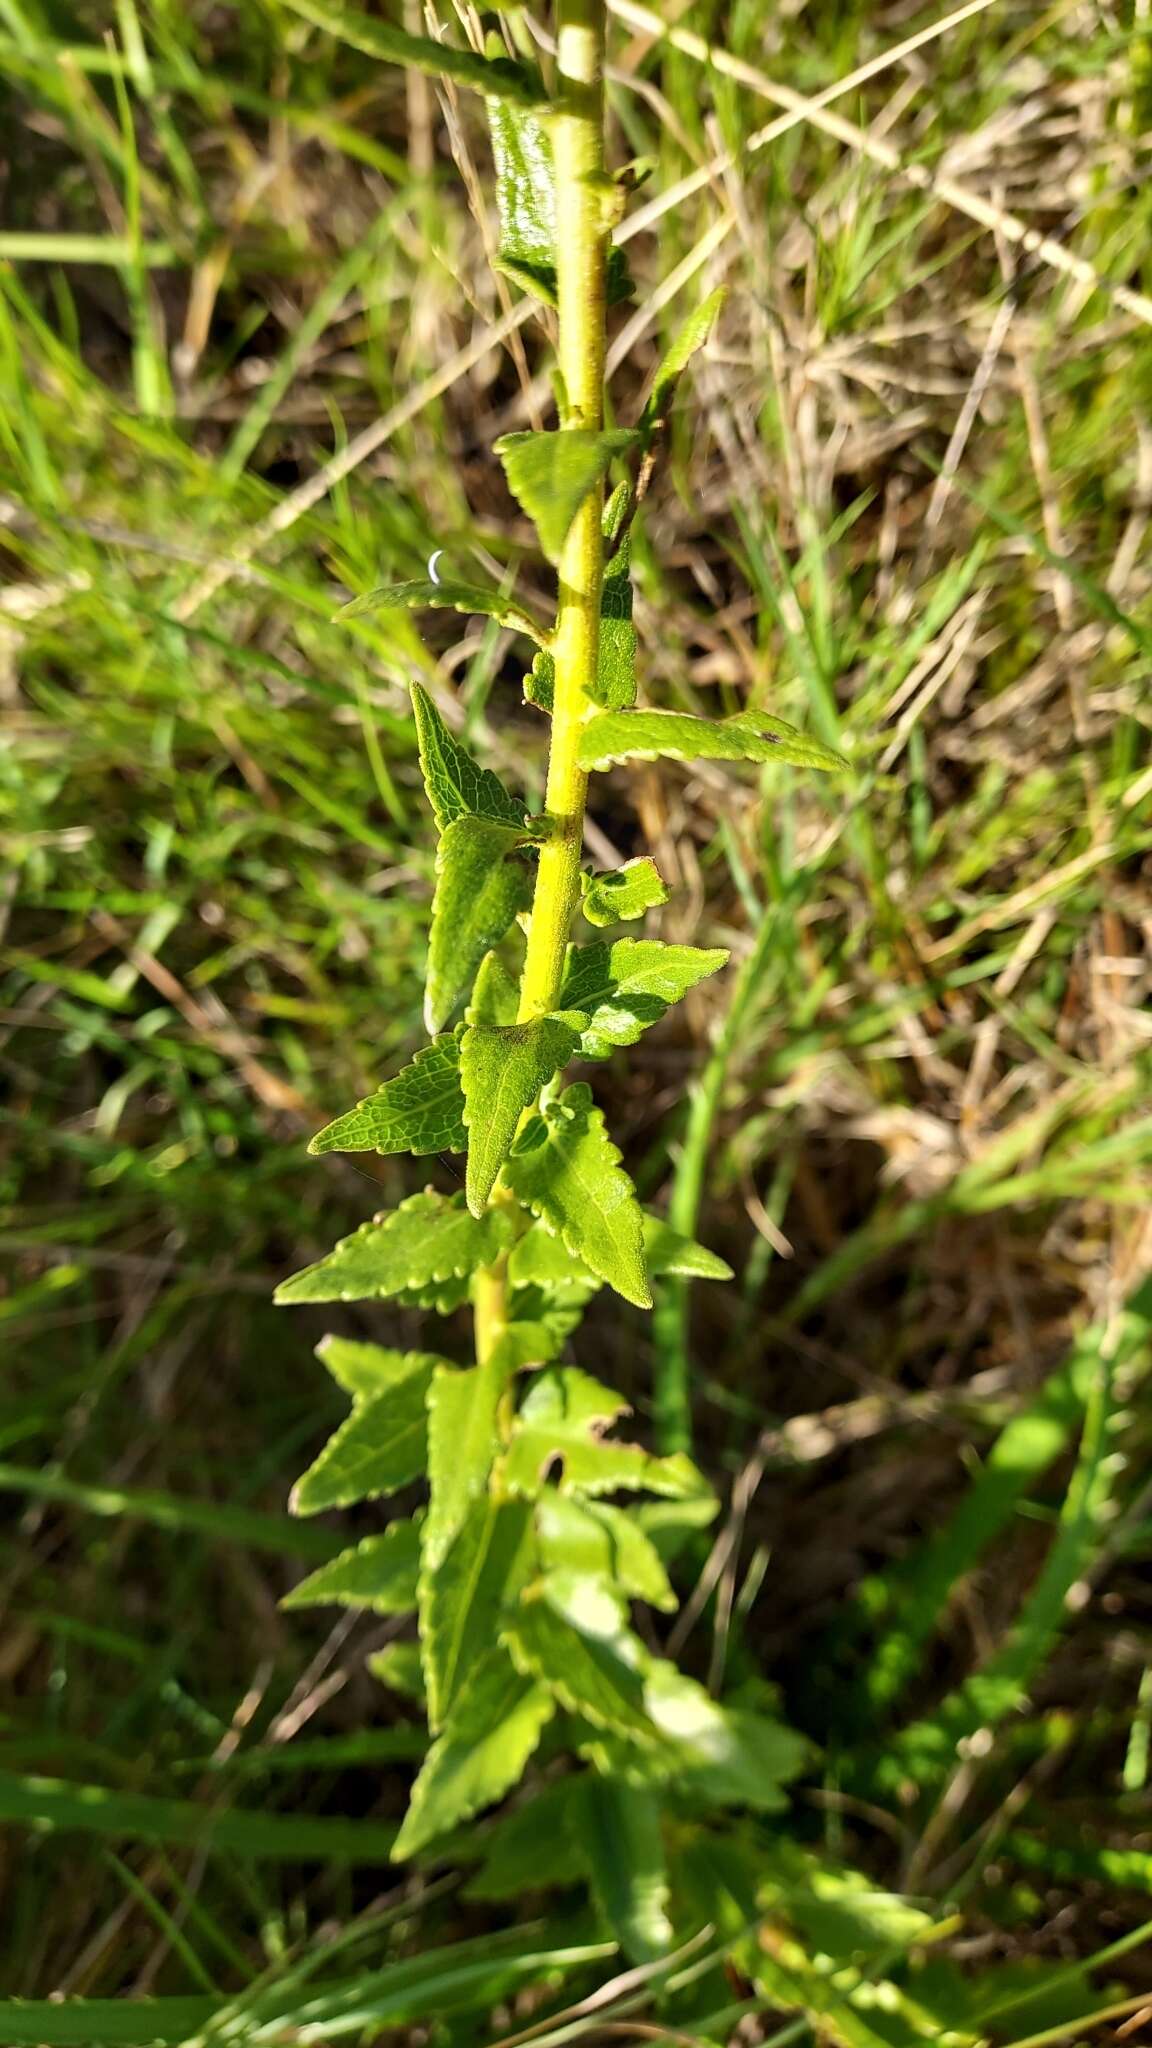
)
(253, 361)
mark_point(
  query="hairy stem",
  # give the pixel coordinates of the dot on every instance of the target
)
(582, 232)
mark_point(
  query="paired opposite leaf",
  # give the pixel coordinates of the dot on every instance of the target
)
(551, 474)
(503, 1068)
(623, 893)
(626, 987)
(428, 1240)
(420, 1110)
(615, 684)
(498, 77)
(481, 887)
(380, 1574)
(489, 1736)
(425, 594)
(677, 736)
(456, 786)
(526, 198)
(565, 1168)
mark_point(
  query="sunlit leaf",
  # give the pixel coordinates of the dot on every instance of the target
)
(551, 474)
(565, 1168)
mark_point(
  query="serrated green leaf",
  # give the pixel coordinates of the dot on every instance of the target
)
(668, 1252)
(430, 1238)
(481, 887)
(596, 1540)
(495, 997)
(615, 684)
(562, 1421)
(456, 787)
(548, 1285)
(380, 1574)
(489, 1736)
(523, 1345)
(691, 337)
(625, 987)
(595, 1670)
(462, 1441)
(420, 1110)
(362, 1369)
(464, 1596)
(526, 199)
(678, 736)
(382, 1446)
(565, 1168)
(503, 1067)
(619, 1828)
(531, 1848)
(497, 77)
(623, 893)
(551, 474)
(424, 594)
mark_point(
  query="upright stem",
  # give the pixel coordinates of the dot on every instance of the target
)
(582, 231)
(581, 250)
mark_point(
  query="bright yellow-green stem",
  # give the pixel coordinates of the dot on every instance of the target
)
(583, 226)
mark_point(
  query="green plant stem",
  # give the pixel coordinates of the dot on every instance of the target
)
(583, 225)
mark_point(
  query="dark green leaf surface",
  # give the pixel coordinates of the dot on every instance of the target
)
(428, 1239)
(677, 736)
(481, 886)
(497, 77)
(489, 1736)
(623, 893)
(620, 1833)
(625, 987)
(456, 787)
(503, 1068)
(691, 337)
(526, 198)
(380, 1573)
(566, 1169)
(420, 1110)
(615, 685)
(424, 594)
(551, 474)
(463, 1598)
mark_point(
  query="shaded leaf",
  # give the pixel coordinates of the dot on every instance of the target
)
(362, 1368)
(534, 1847)
(489, 1736)
(678, 736)
(428, 1239)
(499, 77)
(463, 1598)
(723, 1755)
(382, 1446)
(619, 1828)
(623, 893)
(481, 886)
(668, 1252)
(526, 199)
(425, 594)
(565, 1168)
(690, 337)
(503, 1068)
(495, 997)
(456, 787)
(420, 1110)
(398, 1666)
(551, 474)
(625, 987)
(379, 1574)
